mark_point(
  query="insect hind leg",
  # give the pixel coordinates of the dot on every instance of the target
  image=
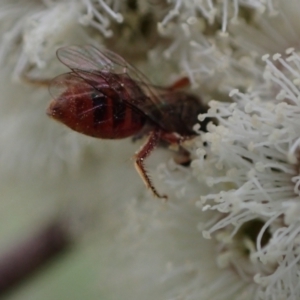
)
(180, 83)
(140, 157)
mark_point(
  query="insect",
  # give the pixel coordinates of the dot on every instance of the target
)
(105, 97)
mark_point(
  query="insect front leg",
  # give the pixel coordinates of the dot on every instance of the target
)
(182, 156)
(140, 157)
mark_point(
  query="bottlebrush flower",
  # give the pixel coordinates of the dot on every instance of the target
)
(255, 150)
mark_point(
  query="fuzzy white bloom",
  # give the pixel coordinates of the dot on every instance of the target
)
(213, 11)
(256, 149)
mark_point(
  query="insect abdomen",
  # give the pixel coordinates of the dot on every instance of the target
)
(102, 115)
(113, 119)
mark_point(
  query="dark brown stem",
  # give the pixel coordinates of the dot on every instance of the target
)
(28, 256)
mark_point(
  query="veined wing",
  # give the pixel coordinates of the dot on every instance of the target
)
(134, 87)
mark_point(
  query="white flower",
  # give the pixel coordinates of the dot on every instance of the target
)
(255, 148)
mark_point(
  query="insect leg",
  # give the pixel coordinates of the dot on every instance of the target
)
(36, 81)
(140, 157)
(182, 157)
(180, 84)
(172, 138)
(27, 78)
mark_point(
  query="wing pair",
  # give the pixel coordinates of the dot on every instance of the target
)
(97, 68)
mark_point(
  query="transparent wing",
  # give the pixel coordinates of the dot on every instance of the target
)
(88, 61)
(89, 58)
(68, 85)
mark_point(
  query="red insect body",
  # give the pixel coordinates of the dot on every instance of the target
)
(105, 97)
(101, 115)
